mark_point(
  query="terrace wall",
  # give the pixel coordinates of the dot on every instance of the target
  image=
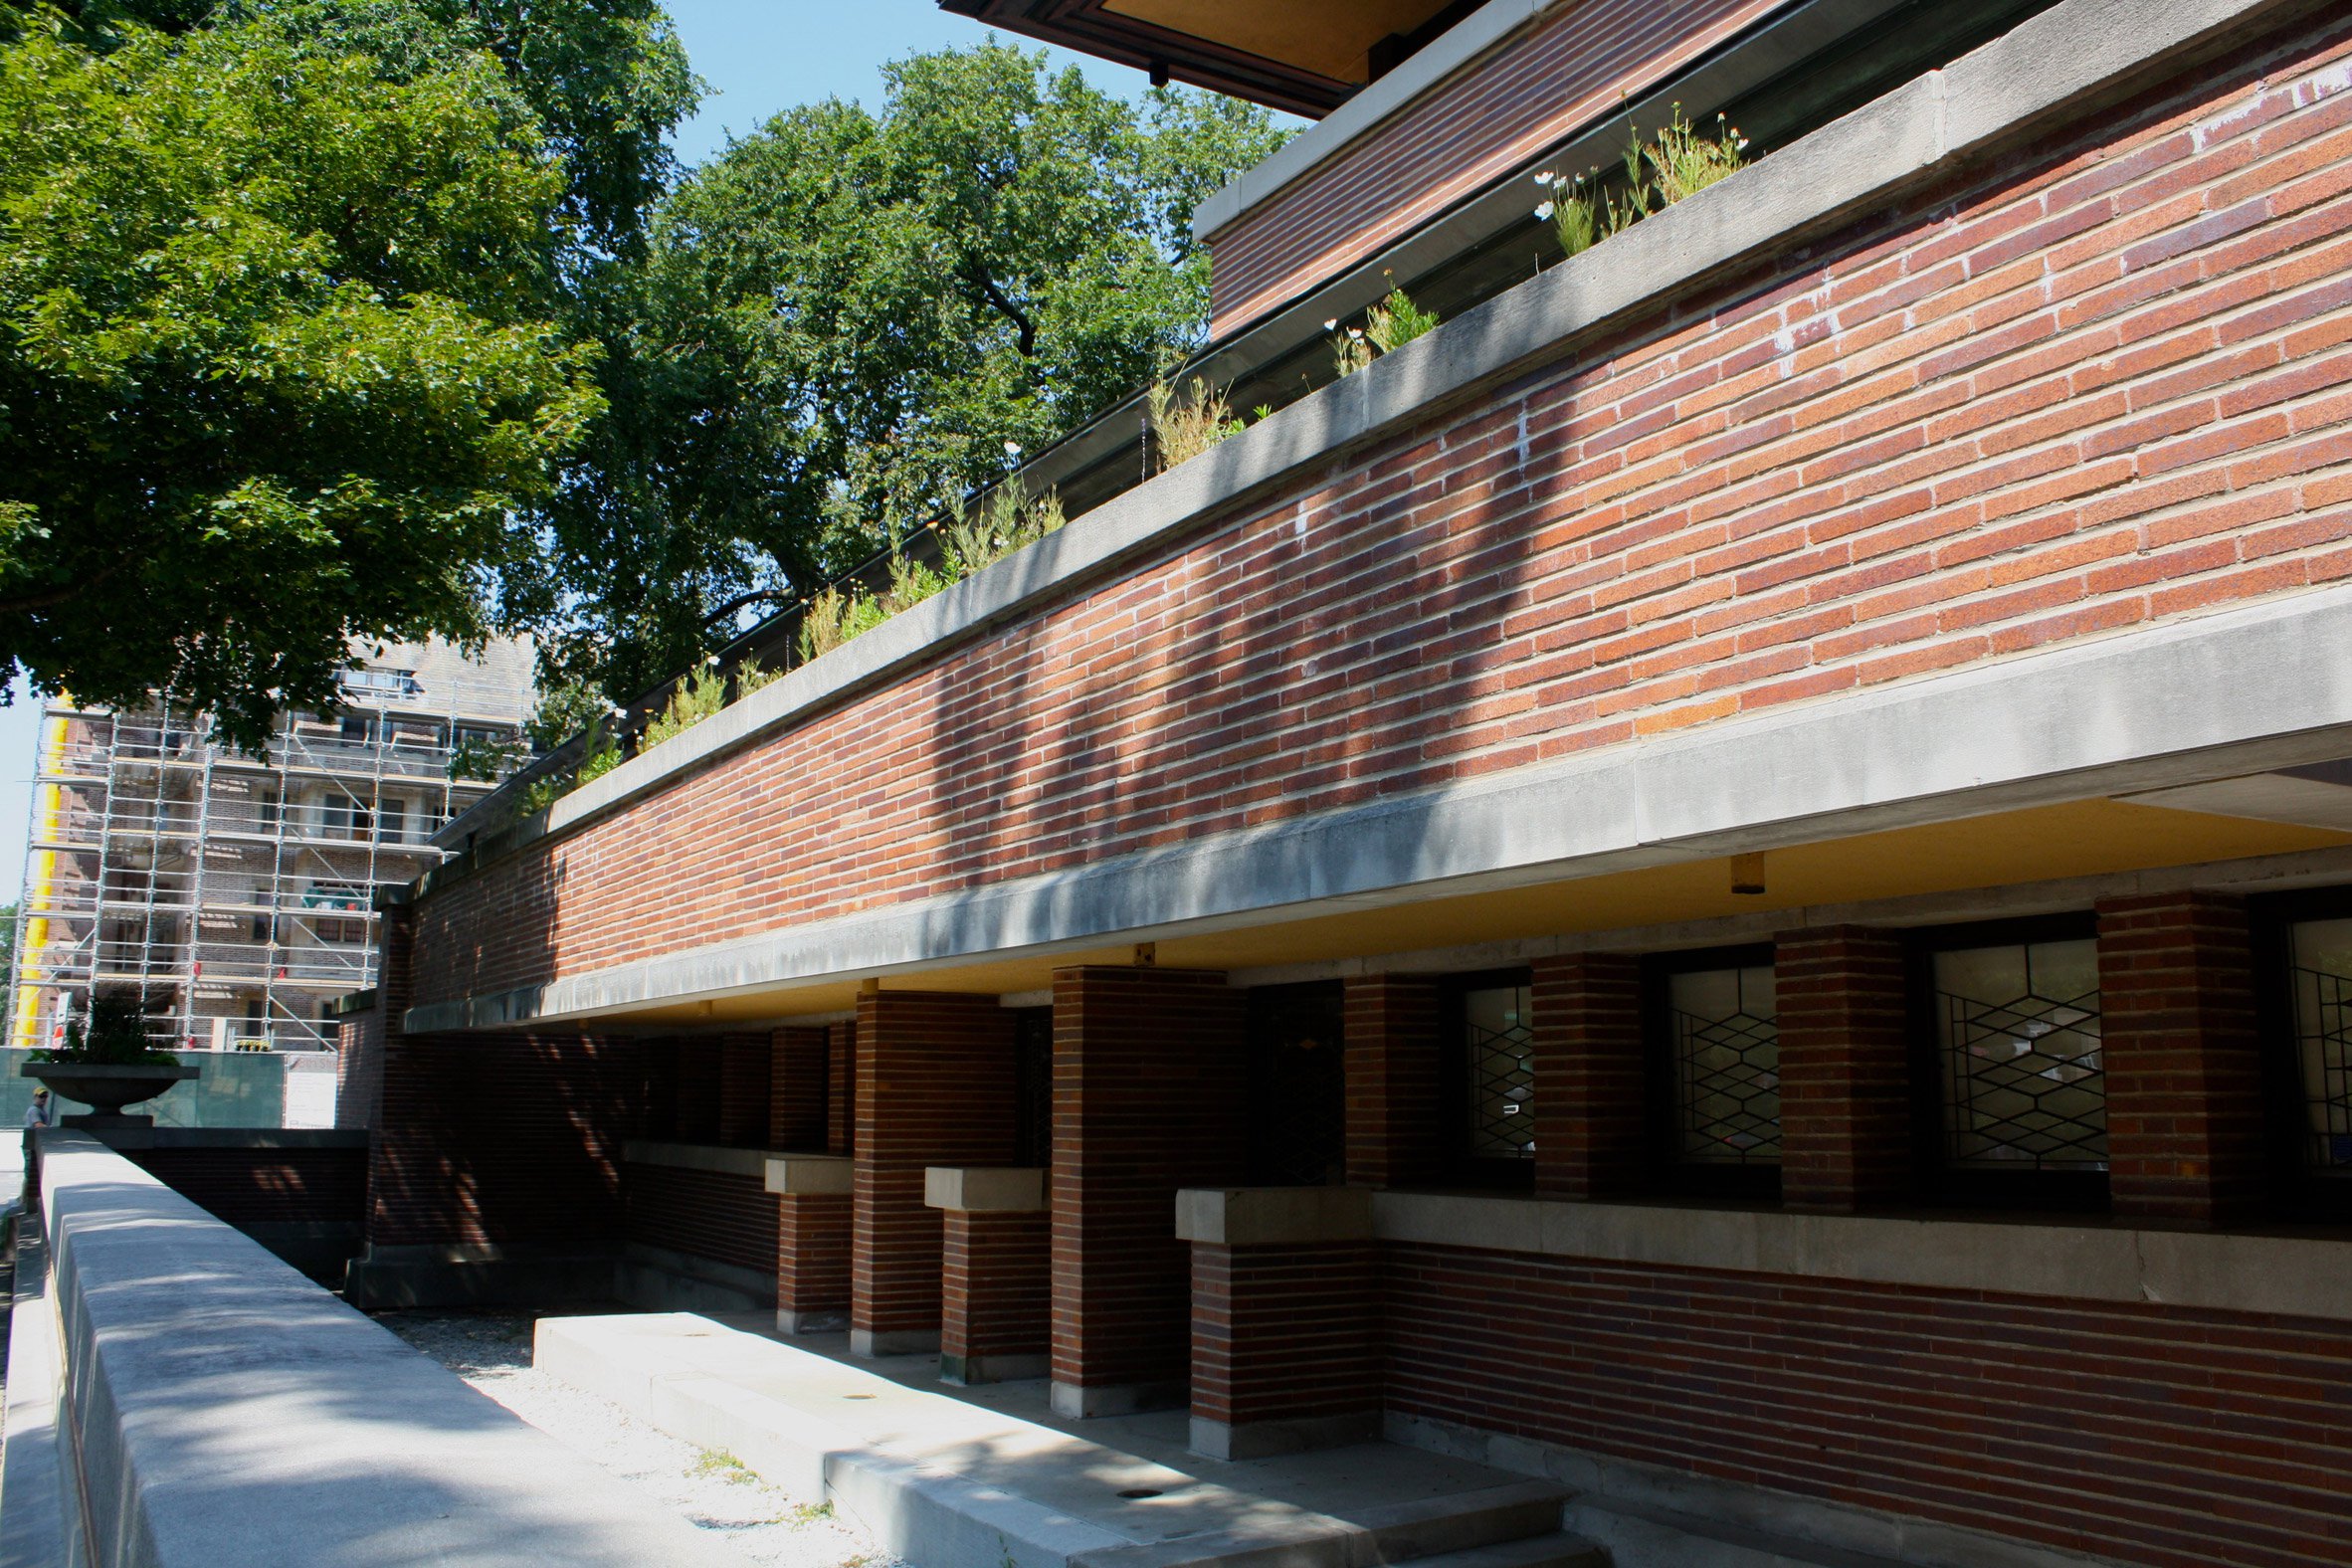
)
(2099, 384)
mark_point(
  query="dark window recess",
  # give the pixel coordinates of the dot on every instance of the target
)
(1722, 1039)
(1297, 1086)
(1494, 1022)
(2023, 1080)
(2320, 956)
(1033, 1086)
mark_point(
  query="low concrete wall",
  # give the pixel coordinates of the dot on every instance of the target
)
(209, 1406)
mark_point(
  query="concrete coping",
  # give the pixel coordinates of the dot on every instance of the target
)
(1273, 1216)
(122, 1138)
(2078, 52)
(2297, 1276)
(810, 1175)
(698, 1157)
(219, 1408)
(995, 1189)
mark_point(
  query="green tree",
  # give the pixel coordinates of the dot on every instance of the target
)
(844, 320)
(276, 367)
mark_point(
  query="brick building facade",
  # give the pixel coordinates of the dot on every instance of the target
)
(1731, 873)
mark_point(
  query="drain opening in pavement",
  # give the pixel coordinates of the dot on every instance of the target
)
(1140, 1493)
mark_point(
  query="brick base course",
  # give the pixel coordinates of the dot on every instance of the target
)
(997, 1279)
(1285, 1333)
(727, 1218)
(813, 1260)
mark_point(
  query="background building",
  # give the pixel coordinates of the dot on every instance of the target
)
(234, 892)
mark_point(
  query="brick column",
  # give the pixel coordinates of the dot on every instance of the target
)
(934, 1088)
(840, 1087)
(997, 1276)
(2183, 1060)
(813, 1232)
(1285, 1320)
(1846, 1133)
(1395, 1082)
(799, 1083)
(365, 1037)
(1148, 1079)
(1591, 1135)
(743, 1091)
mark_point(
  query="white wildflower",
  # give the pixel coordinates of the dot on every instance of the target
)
(1545, 211)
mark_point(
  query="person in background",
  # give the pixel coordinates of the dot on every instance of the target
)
(39, 1114)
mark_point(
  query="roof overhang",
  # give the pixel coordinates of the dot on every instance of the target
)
(1303, 56)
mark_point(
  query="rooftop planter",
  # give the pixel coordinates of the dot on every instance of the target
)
(108, 1063)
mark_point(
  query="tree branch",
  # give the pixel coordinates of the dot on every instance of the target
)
(977, 276)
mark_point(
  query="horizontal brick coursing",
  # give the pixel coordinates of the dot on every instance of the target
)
(813, 1252)
(265, 1186)
(2151, 1435)
(1564, 73)
(1285, 1333)
(718, 1215)
(996, 1280)
(2101, 386)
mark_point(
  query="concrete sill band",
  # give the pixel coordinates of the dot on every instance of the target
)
(1273, 1216)
(986, 1189)
(2286, 1276)
(713, 1157)
(2065, 61)
(811, 1175)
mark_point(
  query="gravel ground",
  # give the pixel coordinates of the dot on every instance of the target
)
(712, 1490)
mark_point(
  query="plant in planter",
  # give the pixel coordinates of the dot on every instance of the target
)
(107, 1062)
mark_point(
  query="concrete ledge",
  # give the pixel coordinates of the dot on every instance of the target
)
(1271, 1216)
(1827, 1532)
(698, 1157)
(811, 1175)
(2289, 1275)
(144, 1139)
(996, 1189)
(966, 1371)
(224, 1410)
(661, 1280)
(42, 1524)
(1898, 144)
(383, 1277)
(1257, 1439)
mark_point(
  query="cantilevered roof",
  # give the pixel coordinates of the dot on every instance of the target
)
(1305, 56)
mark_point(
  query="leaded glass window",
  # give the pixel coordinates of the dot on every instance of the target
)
(2322, 961)
(1724, 1037)
(2018, 1036)
(1499, 1057)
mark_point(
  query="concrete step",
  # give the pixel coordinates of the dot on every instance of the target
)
(1556, 1550)
(1638, 1535)
(1426, 1529)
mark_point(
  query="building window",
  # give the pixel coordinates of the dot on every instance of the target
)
(1032, 1085)
(2018, 1073)
(346, 933)
(2319, 954)
(1715, 1035)
(1297, 1086)
(1492, 1020)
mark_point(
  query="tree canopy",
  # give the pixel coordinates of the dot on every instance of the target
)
(844, 320)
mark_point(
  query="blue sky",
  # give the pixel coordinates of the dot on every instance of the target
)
(759, 57)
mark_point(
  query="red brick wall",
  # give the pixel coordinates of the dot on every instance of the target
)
(1395, 1065)
(499, 1140)
(934, 1088)
(265, 1186)
(2158, 1435)
(1285, 1333)
(1591, 1065)
(2185, 1117)
(813, 1252)
(998, 1285)
(1148, 1079)
(2100, 386)
(1567, 70)
(360, 1037)
(717, 1214)
(1845, 1068)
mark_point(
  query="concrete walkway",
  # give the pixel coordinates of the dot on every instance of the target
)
(988, 1477)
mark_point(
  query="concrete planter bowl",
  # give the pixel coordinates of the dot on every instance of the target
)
(107, 1086)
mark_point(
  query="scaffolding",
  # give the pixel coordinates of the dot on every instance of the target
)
(232, 893)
